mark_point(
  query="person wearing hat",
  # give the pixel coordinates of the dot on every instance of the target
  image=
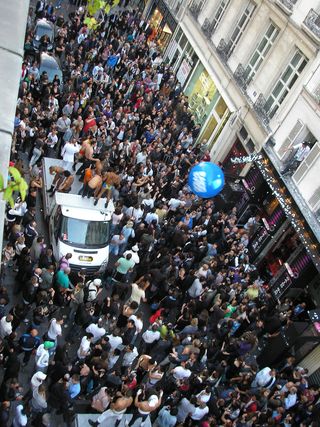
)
(42, 356)
(93, 290)
(149, 403)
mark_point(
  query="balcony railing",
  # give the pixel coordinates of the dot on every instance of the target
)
(286, 5)
(311, 25)
(239, 76)
(223, 50)
(208, 28)
(259, 108)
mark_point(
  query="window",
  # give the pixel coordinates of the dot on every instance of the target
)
(84, 233)
(261, 51)
(241, 26)
(219, 13)
(285, 83)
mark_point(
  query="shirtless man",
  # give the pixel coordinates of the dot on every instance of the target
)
(66, 185)
(151, 400)
(57, 171)
(118, 407)
(109, 180)
(63, 184)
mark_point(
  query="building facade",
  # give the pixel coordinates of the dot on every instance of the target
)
(251, 71)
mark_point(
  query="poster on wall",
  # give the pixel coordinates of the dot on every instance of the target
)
(183, 72)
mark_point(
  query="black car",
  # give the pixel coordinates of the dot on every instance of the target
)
(50, 65)
(42, 29)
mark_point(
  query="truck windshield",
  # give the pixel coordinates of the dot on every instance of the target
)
(82, 233)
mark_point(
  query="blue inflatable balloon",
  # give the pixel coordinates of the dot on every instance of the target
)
(206, 180)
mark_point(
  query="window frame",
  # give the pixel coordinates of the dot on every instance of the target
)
(251, 70)
(221, 9)
(245, 16)
(282, 86)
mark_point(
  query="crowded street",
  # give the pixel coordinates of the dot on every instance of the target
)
(126, 299)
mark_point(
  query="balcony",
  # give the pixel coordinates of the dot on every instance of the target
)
(311, 25)
(286, 5)
(259, 108)
(240, 78)
(223, 50)
(208, 28)
(195, 10)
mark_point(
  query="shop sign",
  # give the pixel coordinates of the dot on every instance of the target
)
(183, 72)
(259, 239)
(281, 285)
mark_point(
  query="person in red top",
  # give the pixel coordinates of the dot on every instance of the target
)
(89, 123)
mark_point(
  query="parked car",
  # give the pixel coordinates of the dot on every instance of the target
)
(42, 29)
(50, 65)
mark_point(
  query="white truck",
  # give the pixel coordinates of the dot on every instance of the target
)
(76, 226)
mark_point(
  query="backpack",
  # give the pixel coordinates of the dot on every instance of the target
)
(86, 291)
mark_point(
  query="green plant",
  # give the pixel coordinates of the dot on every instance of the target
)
(95, 6)
(15, 183)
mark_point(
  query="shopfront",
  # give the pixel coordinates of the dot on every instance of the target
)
(163, 24)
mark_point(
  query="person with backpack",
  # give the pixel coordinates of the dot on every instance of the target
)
(92, 289)
(29, 342)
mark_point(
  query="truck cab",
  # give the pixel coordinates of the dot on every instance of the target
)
(76, 226)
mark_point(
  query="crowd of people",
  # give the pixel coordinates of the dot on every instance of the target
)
(171, 331)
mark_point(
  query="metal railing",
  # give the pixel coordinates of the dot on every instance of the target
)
(312, 23)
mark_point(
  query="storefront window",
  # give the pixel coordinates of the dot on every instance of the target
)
(202, 94)
(221, 107)
(156, 19)
(211, 125)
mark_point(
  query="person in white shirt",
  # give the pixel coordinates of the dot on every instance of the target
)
(97, 330)
(37, 379)
(149, 337)
(114, 339)
(291, 398)
(185, 408)
(6, 326)
(52, 139)
(196, 289)
(135, 213)
(55, 329)
(152, 216)
(20, 418)
(134, 252)
(174, 204)
(181, 372)
(69, 150)
(84, 348)
(138, 322)
(301, 151)
(96, 69)
(131, 353)
(199, 412)
(94, 289)
(264, 378)
(42, 356)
